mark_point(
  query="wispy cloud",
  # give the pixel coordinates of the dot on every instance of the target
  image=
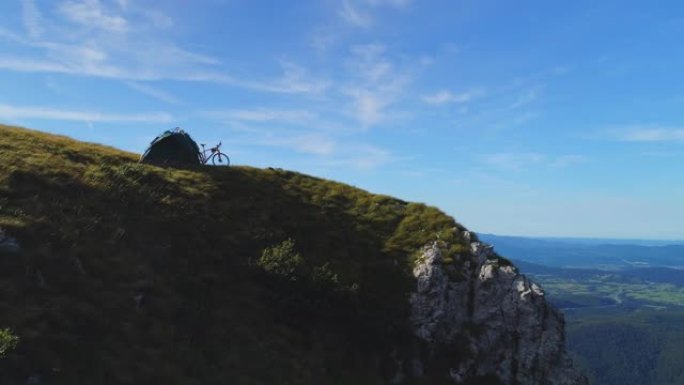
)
(525, 97)
(354, 15)
(261, 115)
(501, 107)
(294, 80)
(445, 96)
(153, 92)
(31, 65)
(369, 62)
(519, 161)
(648, 133)
(32, 18)
(358, 13)
(376, 83)
(126, 42)
(50, 113)
(92, 14)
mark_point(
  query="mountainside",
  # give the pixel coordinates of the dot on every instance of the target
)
(113, 272)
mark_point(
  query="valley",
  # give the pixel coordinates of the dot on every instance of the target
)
(624, 320)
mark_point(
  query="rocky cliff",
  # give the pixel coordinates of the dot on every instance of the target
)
(496, 318)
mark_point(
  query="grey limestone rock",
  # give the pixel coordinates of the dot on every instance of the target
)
(510, 329)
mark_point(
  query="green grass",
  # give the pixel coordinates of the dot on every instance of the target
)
(604, 287)
(99, 230)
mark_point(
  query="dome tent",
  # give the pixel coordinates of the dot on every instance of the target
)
(173, 147)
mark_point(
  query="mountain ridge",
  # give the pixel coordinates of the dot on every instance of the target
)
(128, 273)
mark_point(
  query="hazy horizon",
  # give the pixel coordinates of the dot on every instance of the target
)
(595, 240)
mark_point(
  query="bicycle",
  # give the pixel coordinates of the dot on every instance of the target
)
(214, 155)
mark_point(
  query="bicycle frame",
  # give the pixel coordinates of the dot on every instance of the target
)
(206, 154)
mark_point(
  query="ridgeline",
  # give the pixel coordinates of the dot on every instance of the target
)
(126, 273)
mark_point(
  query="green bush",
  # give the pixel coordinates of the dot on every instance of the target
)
(282, 260)
(8, 341)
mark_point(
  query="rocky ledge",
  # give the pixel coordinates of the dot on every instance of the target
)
(489, 319)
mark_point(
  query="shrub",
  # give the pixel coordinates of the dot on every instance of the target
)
(282, 260)
(8, 341)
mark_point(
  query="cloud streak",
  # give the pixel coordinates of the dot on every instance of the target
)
(375, 83)
(31, 18)
(92, 40)
(652, 134)
(446, 97)
(153, 92)
(49, 113)
(91, 14)
(353, 15)
(520, 161)
(260, 115)
(358, 13)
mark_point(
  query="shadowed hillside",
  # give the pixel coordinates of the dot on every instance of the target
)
(132, 274)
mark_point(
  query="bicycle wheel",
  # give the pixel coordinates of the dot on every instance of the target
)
(220, 159)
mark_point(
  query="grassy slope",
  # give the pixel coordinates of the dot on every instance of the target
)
(97, 229)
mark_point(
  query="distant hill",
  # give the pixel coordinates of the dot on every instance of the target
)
(566, 252)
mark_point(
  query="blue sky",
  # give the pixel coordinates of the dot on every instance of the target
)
(521, 118)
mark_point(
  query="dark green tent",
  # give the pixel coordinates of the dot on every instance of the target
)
(173, 147)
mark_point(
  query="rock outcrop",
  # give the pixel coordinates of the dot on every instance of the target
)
(495, 319)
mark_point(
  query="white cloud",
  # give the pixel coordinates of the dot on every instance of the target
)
(258, 115)
(519, 161)
(442, 97)
(368, 106)
(358, 12)
(445, 96)
(92, 14)
(648, 134)
(48, 113)
(69, 45)
(32, 65)
(295, 80)
(353, 15)
(524, 98)
(32, 18)
(153, 92)
(375, 84)
(369, 62)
